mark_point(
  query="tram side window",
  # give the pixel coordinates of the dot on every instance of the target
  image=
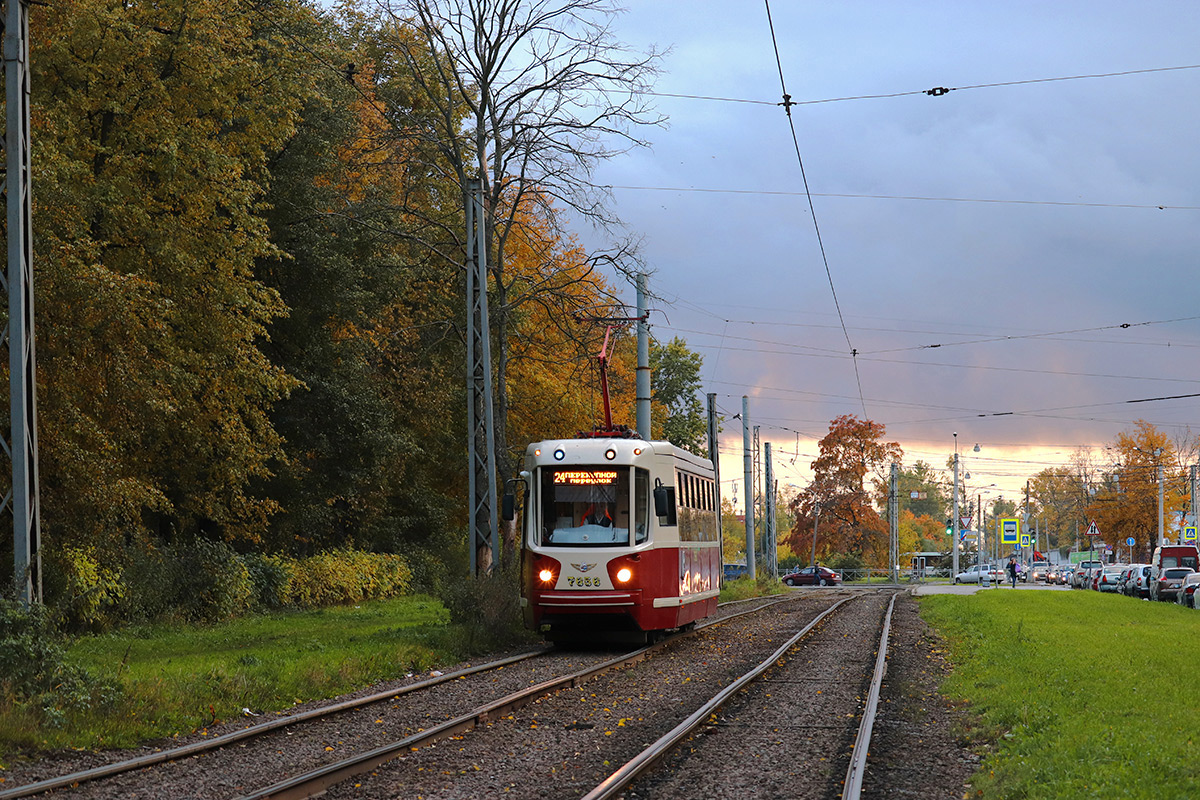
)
(641, 503)
(584, 506)
(696, 519)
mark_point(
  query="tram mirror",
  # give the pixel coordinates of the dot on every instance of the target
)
(664, 503)
(508, 507)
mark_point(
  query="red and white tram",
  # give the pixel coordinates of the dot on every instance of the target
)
(618, 535)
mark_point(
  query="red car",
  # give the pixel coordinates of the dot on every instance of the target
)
(805, 577)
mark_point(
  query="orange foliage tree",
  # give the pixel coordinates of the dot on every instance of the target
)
(850, 453)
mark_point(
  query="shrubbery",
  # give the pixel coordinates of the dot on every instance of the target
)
(488, 610)
(347, 576)
(207, 581)
(34, 672)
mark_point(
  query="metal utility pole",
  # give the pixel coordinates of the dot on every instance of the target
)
(954, 516)
(715, 456)
(894, 524)
(748, 470)
(643, 362)
(770, 550)
(481, 437)
(18, 282)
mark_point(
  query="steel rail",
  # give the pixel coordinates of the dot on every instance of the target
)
(263, 728)
(252, 731)
(619, 781)
(852, 789)
(318, 780)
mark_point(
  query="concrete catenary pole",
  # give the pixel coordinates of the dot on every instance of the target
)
(1192, 503)
(714, 455)
(769, 548)
(748, 469)
(894, 524)
(643, 361)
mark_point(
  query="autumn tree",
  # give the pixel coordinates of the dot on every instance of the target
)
(851, 454)
(367, 331)
(1126, 503)
(155, 124)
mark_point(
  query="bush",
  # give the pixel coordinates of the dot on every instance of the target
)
(90, 593)
(270, 579)
(347, 576)
(211, 581)
(33, 667)
(488, 610)
(846, 561)
(199, 581)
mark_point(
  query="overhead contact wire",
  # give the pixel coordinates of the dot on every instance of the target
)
(787, 107)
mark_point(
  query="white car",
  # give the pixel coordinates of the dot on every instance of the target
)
(972, 574)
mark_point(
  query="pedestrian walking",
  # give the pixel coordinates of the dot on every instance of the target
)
(1012, 571)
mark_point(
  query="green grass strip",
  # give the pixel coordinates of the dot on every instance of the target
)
(176, 679)
(1087, 695)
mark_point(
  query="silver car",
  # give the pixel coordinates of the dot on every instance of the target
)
(1110, 578)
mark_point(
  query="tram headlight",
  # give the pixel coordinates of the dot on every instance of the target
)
(624, 574)
(546, 575)
(610, 454)
(559, 454)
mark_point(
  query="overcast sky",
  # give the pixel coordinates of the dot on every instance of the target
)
(1051, 212)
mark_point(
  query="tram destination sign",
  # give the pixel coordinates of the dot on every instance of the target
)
(585, 477)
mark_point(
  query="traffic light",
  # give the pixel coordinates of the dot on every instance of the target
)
(949, 527)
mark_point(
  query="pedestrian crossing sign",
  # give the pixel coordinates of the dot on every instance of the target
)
(1009, 531)
(1189, 533)
(1024, 540)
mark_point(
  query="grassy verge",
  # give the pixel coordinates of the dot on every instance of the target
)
(175, 679)
(744, 589)
(1086, 695)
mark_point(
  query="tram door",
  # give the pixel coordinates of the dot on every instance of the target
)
(918, 567)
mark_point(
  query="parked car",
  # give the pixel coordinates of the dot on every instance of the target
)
(805, 577)
(1166, 586)
(1079, 574)
(732, 572)
(1126, 577)
(1138, 584)
(1039, 571)
(1187, 591)
(974, 574)
(1109, 578)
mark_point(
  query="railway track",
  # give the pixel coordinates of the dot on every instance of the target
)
(573, 744)
(522, 678)
(770, 733)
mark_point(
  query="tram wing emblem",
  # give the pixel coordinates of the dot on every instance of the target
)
(583, 567)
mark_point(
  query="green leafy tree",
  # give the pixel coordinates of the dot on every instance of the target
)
(678, 416)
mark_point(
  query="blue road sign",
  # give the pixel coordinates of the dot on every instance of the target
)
(1130, 541)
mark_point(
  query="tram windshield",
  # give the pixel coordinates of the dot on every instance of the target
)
(589, 506)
